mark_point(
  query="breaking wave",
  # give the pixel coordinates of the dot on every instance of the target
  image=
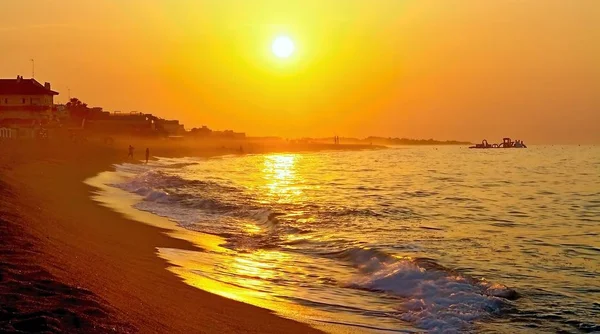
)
(430, 296)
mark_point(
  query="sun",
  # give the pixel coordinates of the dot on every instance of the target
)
(282, 47)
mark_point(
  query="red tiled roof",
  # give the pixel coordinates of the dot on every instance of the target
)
(23, 87)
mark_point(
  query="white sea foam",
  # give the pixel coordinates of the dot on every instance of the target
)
(433, 299)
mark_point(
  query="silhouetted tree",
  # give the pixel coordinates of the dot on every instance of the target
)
(77, 109)
(76, 103)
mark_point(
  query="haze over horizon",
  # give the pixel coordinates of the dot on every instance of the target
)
(463, 70)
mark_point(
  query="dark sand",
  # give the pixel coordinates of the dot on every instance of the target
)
(68, 264)
(32, 299)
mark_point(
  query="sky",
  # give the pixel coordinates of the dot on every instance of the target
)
(452, 69)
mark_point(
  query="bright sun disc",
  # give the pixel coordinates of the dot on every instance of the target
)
(282, 47)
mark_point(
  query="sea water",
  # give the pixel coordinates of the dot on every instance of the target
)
(408, 239)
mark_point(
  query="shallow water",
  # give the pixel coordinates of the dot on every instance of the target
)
(405, 239)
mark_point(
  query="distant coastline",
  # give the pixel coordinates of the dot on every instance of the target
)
(408, 141)
(373, 140)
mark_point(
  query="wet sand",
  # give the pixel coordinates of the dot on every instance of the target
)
(71, 265)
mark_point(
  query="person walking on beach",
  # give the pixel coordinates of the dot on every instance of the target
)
(130, 154)
(147, 154)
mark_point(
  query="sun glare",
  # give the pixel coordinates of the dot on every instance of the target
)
(283, 47)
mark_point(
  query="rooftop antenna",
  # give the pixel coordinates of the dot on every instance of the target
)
(32, 68)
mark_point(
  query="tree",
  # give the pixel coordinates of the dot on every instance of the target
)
(77, 109)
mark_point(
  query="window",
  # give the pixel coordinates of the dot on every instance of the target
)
(23, 101)
(5, 101)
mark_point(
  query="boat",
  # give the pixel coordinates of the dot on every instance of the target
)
(506, 143)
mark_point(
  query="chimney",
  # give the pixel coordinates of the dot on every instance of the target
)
(47, 85)
(19, 78)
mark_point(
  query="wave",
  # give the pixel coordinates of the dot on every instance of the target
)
(156, 179)
(430, 296)
(196, 205)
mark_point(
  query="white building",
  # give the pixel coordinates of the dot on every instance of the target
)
(26, 99)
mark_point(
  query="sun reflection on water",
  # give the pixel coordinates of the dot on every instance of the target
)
(252, 276)
(281, 178)
(247, 277)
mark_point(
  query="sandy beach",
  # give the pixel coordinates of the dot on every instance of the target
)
(70, 265)
(301, 166)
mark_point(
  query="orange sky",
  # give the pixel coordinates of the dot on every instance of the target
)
(453, 69)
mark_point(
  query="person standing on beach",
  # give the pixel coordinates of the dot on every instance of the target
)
(147, 154)
(130, 154)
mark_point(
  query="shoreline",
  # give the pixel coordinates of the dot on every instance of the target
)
(203, 244)
(85, 245)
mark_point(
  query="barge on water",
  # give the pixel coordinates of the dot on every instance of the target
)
(506, 143)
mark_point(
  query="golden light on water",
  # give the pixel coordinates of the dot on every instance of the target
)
(281, 167)
(251, 228)
(250, 278)
(281, 177)
(248, 272)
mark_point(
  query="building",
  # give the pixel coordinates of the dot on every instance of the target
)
(8, 133)
(170, 127)
(229, 134)
(20, 128)
(120, 123)
(204, 131)
(26, 99)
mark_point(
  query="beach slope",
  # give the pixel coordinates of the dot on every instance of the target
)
(72, 265)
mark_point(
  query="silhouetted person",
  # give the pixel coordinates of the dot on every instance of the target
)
(147, 154)
(130, 153)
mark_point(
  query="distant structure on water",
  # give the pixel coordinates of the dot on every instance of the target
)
(506, 143)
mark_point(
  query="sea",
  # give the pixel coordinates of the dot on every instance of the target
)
(405, 239)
